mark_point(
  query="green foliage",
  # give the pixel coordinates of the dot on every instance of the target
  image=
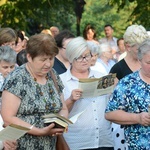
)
(34, 15)
(140, 14)
(98, 13)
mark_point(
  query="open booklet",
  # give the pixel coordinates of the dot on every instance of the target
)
(13, 132)
(60, 121)
(93, 87)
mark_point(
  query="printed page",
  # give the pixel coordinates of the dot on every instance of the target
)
(97, 87)
(75, 117)
(12, 132)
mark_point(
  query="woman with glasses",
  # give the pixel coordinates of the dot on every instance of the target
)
(91, 130)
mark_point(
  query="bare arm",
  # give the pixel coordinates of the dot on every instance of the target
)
(10, 106)
(64, 111)
(125, 118)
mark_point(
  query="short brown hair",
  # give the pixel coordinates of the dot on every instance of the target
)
(7, 35)
(41, 44)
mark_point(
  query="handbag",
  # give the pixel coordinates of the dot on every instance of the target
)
(61, 143)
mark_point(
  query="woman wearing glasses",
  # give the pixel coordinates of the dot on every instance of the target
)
(91, 130)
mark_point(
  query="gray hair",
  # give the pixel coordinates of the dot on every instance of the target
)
(94, 48)
(75, 48)
(7, 54)
(135, 34)
(104, 47)
(144, 48)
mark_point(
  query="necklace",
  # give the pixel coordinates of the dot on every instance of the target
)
(32, 74)
(48, 105)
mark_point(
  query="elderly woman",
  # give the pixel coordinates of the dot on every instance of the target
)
(7, 62)
(31, 88)
(91, 131)
(133, 36)
(105, 58)
(130, 102)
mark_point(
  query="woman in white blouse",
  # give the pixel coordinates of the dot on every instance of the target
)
(91, 130)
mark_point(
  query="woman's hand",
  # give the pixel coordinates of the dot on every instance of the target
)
(51, 131)
(75, 94)
(10, 145)
(144, 119)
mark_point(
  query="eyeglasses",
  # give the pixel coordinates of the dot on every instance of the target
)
(86, 57)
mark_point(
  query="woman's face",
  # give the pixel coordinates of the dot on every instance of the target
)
(108, 54)
(19, 45)
(62, 50)
(132, 50)
(83, 62)
(90, 34)
(145, 64)
(94, 58)
(6, 68)
(41, 65)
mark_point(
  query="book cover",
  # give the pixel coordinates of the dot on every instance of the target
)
(60, 121)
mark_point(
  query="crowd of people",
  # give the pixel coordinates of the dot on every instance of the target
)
(40, 75)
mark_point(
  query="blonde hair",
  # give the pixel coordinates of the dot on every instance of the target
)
(135, 34)
(46, 31)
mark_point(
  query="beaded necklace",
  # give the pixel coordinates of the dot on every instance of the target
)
(48, 105)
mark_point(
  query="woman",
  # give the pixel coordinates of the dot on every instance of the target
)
(7, 62)
(105, 58)
(130, 101)
(32, 90)
(8, 37)
(91, 131)
(19, 42)
(89, 34)
(133, 36)
(61, 63)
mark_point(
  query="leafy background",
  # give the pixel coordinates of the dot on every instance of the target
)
(34, 15)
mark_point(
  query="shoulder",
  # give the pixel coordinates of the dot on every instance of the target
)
(130, 78)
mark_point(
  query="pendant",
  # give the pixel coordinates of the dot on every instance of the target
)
(54, 104)
(51, 91)
(47, 107)
(41, 93)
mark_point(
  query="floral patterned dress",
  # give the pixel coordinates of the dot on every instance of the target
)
(36, 101)
(133, 95)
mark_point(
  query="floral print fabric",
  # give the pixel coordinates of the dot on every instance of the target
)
(133, 95)
(36, 101)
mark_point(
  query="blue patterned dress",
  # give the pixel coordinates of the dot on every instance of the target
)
(133, 95)
(36, 100)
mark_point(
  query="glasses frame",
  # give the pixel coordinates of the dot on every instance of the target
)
(81, 58)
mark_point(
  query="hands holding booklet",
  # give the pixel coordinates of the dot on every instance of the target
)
(60, 121)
